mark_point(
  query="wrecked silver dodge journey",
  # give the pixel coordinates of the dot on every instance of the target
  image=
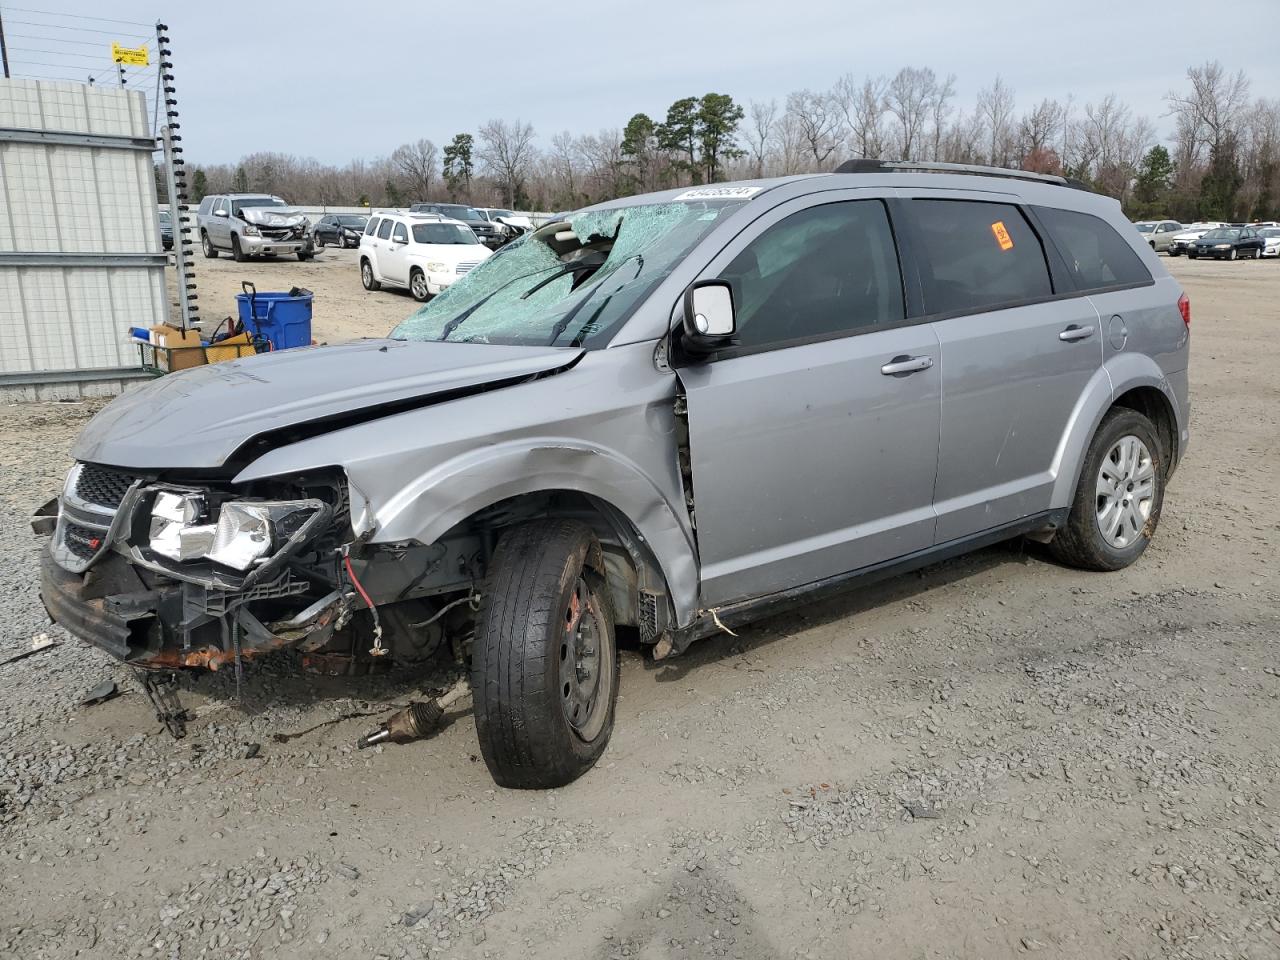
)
(662, 415)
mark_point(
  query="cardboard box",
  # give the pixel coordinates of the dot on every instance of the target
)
(177, 350)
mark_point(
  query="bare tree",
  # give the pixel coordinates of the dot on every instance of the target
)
(940, 110)
(1213, 110)
(761, 132)
(995, 108)
(418, 163)
(506, 149)
(817, 119)
(909, 98)
(1040, 128)
(863, 105)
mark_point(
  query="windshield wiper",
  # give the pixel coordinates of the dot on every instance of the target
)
(457, 321)
(578, 266)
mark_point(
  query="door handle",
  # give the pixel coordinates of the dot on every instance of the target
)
(1075, 332)
(899, 366)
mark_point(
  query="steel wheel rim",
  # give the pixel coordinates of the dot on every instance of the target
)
(1125, 493)
(586, 666)
(419, 285)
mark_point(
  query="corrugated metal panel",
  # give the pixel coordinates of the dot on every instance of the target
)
(92, 200)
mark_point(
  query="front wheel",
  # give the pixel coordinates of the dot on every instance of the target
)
(418, 286)
(207, 246)
(544, 666)
(1118, 497)
(236, 253)
(366, 276)
(319, 240)
(1231, 254)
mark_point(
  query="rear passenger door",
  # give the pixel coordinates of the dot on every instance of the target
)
(1016, 357)
(380, 247)
(813, 440)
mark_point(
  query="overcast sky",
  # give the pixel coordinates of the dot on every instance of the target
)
(335, 79)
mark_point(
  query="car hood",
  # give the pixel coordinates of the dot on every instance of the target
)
(272, 216)
(452, 253)
(199, 418)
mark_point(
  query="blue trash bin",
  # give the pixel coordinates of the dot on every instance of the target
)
(282, 319)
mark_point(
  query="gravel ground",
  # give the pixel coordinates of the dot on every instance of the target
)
(993, 757)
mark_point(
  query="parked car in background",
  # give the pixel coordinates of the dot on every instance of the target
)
(340, 229)
(1271, 241)
(1190, 234)
(1228, 243)
(422, 253)
(166, 230)
(252, 225)
(603, 426)
(490, 234)
(1158, 233)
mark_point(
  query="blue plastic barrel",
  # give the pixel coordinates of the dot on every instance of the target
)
(284, 321)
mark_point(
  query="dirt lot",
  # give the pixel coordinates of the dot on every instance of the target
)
(1093, 760)
(342, 309)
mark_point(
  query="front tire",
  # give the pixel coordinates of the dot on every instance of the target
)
(236, 253)
(544, 666)
(319, 240)
(210, 252)
(418, 286)
(1231, 254)
(1118, 498)
(367, 278)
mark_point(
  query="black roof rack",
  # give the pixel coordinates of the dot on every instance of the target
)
(922, 166)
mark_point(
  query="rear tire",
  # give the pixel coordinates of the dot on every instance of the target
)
(236, 253)
(367, 278)
(1118, 498)
(210, 251)
(544, 667)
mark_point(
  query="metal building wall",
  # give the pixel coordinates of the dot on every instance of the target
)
(80, 255)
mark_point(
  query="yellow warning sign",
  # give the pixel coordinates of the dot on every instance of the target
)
(133, 56)
(1002, 235)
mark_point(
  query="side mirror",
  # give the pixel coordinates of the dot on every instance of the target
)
(219, 213)
(709, 322)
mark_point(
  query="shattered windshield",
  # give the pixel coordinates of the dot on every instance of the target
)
(570, 283)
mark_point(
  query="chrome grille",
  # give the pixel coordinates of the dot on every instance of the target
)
(101, 486)
(467, 267)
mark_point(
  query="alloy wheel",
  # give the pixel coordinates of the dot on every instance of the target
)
(1125, 491)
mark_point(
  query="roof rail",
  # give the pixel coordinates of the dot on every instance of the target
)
(922, 166)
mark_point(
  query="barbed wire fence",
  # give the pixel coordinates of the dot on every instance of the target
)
(47, 45)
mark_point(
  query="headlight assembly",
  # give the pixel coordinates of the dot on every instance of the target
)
(436, 267)
(245, 531)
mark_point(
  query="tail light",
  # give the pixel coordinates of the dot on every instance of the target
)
(1184, 308)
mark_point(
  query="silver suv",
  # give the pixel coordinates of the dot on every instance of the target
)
(664, 414)
(252, 225)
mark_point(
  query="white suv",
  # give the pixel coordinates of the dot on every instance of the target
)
(423, 253)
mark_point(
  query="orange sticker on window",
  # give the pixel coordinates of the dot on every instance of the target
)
(1002, 235)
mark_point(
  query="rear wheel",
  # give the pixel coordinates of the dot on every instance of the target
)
(418, 285)
(1118, 497)
(366, 276)
(207, 246)
(544, 668)
(236, 253)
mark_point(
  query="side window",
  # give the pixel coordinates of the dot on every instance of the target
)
(400, 234)
(977, 255)
(371, 227)
(221, 204)
(822, 271)
(1097, 257)
(206, 206)
(384, 229)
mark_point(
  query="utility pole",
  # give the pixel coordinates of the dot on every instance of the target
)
(4, 51)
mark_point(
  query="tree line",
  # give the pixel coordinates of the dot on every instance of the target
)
(1219, 159)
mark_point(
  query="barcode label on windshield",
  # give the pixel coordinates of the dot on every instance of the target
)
(719, 193)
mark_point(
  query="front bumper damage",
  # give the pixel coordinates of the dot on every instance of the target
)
(99, 580)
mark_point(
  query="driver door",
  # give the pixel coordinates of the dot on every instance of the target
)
(814, 439)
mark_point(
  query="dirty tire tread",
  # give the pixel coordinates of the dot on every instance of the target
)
(1079, 543)
(524, 737)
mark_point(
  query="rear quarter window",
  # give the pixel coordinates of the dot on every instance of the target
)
(977, 256)
(1097, 256)
(372, 226)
